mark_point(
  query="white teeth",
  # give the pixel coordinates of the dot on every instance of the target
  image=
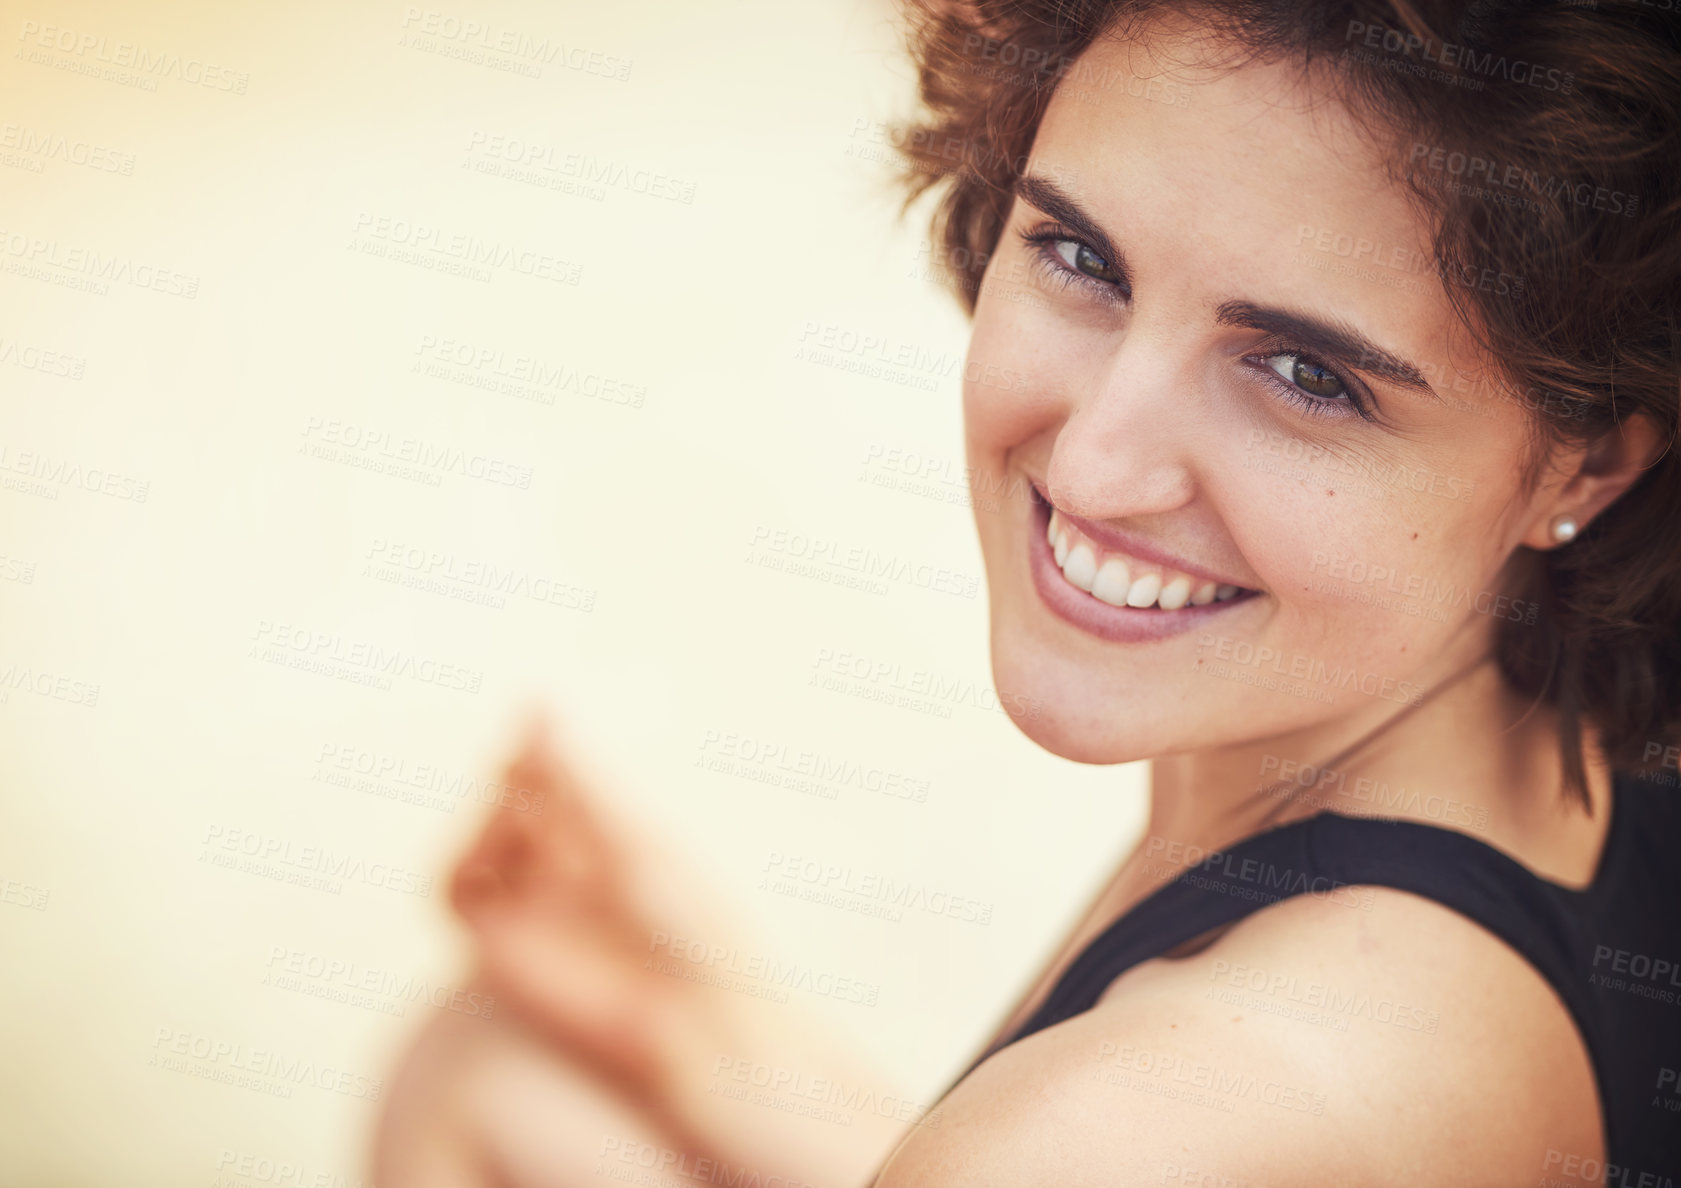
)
(1112, 583)
(1144, 590)
(1175, 594)
(1081, 567)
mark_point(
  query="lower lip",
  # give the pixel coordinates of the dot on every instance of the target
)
(1118, 624)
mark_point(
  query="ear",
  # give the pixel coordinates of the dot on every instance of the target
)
(1598, 474)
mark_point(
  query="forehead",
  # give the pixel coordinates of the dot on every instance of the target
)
(1244, 181)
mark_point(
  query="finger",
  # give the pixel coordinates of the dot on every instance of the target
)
(584, 992)
(584, 842)
(569, 800)
(562, 851)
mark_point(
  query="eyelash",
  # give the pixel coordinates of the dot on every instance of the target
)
(1042, 241)
(1355, 399)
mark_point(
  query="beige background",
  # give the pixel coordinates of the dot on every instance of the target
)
(115, 926)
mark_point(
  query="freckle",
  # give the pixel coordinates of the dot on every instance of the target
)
(1415, 536)
(1237, 1018)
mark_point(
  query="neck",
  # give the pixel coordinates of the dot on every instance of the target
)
(1472, 757)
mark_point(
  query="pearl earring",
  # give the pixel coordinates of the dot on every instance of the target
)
(1564, 528)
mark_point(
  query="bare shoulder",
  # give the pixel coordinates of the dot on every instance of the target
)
(1377, 1038)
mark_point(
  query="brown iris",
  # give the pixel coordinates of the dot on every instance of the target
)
(1315, 380)
(1093, 265)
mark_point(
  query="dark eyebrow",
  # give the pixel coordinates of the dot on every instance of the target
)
(1334, 338)
(1051, 199)
(1337, 339)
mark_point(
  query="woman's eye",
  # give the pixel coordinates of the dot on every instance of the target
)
(1310, 377)
(1082, 259)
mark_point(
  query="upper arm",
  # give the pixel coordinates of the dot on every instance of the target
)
(1313, 1043)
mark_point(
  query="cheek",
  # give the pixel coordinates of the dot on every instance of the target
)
(1011, 378)
(1364, 567)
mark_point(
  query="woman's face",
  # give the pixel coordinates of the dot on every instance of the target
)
(1212, 337)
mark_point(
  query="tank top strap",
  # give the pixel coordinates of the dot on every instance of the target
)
(1611, 951)
(1338, 858)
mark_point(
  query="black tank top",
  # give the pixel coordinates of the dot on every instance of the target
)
(1612, 950)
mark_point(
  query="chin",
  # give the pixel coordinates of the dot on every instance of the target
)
(1066, 712)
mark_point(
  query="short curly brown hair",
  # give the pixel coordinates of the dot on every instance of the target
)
(1576, 107)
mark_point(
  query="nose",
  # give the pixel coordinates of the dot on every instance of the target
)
(1123, 450)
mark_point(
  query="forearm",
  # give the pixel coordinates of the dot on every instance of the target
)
(788, 1099)
(492, 1103)
(481, 1102)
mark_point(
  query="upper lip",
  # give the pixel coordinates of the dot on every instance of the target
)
(1122, 541)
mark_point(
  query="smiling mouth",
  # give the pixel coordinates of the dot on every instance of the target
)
(1103, 576)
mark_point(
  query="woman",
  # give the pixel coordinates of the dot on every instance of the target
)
(1349, 491)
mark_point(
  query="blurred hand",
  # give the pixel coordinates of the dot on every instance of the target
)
(566, 902)
(554, 892)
